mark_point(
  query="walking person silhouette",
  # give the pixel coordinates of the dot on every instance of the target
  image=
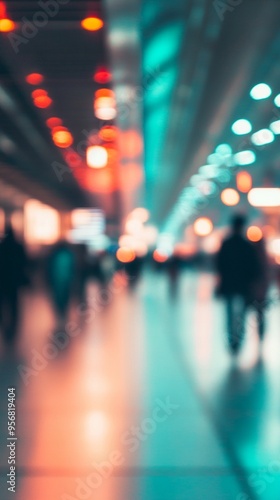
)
(237, 267)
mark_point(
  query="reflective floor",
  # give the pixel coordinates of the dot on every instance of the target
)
(144, 401)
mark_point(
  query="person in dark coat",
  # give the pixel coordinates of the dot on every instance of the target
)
(237, 267)
(260, 286)
(13, 262)
(61, 277)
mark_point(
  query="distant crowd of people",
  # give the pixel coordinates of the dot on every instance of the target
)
(242, 268)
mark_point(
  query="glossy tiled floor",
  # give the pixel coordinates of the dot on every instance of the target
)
(144, 402)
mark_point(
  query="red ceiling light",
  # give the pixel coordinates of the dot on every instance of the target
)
(102, 75)
(54, 121)
(38, 93)
(34, 78)
(93, 23)
(42, 101)
(6, 24)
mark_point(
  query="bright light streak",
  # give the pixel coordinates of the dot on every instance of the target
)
(97, 157)
(241, 127)
(260, 91)
(262, 137)
(264, 197)
(275, 127)
(245, 157)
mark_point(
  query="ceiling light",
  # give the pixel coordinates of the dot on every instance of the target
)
(275, 127)
(42, 101)
(241, 127)
(97, 157)
(264, 197)
(92, 23)
(223, 149)
(262, 137)
(102, 75)
(245, 157)
(108, 133)
(34, 78)
(203, 226)
(53, 122)
(244, 181)
(230, 197)
(7, 25)
(260, 91)
(125, 254)
(277, 101)
(62, 138)
(254, 233)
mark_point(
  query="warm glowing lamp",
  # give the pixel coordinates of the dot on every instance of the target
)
(97, 157)
(244, 181)
(203, 226)
(92, 23)
(62, 138)
(230, 197)
(108, 133)
(254, 233)
(264, 197)
(6, 24)
(125, 254)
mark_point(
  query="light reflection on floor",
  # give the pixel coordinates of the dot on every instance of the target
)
(91, 410)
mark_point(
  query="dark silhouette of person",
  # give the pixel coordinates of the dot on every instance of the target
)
(173, 268)
(260, 286)
(61, 277)
(237, 267)
(13, 263)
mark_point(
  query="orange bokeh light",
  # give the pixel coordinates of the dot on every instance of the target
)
(92, 23)
(230, 197)
(38, 93)
(58, 129)
(108, 133)
(159, 257)
(203, 226)
(54, 121)
(244, 181)
(7, 25)
(42, 101)
(125, 254)
(104, 93)
(102, 75)
(34, 78)
(254, 233)
(62, 138)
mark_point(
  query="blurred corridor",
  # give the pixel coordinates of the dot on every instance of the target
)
(93, 401)
(139, 249)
